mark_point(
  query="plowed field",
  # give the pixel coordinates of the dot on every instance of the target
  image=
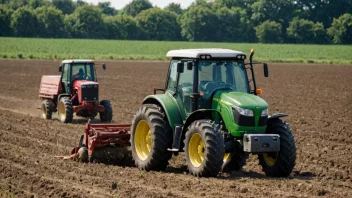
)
(318, 99)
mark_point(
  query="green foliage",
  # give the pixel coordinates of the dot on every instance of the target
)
(15, 4)
(24, 22)
(156, 50)
(121, 27)
(305, 31)
(233, 3)
(341, 29)
(38, 3)
(158, 24)
(324, 11)
(51, 22)
(233, 25)
(302, 21)
(199, 23)
(5, 20)
(106, 8)
(66, 6)
(136, 6)
(269, 32)
(174, 7)
(274, 10)
(80, 3)
(85, 22)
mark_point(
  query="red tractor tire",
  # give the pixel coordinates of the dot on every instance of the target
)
(65, 110)
(106, 116)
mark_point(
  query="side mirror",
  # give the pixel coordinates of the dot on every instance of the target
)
(189, 65)
(180, 67)
(266, 70)
(104, 66)
(60, 68)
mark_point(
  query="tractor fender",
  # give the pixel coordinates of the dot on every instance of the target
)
(200, 114)
(62, 95)
(277, 115)
(169, 105)
(197, 115)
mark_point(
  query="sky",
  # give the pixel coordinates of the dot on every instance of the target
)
(118, 4)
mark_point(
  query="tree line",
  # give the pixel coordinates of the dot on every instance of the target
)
(265, 21)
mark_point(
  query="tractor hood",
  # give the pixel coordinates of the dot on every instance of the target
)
(243, 100)
(78, 83)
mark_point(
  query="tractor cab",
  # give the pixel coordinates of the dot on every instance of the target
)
(197, 75)
(76, 70)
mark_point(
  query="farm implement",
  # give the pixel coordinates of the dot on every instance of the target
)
(210, 109)
(108, 143)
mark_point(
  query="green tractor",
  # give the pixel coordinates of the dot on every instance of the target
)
(210, 109)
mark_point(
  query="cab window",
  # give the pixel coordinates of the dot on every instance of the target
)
(171, 84)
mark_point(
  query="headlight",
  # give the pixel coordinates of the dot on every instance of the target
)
(244, 112)
(83, 86)
(264, 112)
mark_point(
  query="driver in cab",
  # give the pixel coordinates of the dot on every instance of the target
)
(79, 75)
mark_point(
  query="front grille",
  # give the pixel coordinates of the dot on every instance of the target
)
(241, 120)
(90, 92)
(263, 121)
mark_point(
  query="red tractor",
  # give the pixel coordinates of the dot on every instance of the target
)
(74, 91)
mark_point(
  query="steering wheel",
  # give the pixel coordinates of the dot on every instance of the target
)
(204, 83)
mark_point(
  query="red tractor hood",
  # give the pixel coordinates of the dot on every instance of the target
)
(87, 91)
(78, 83)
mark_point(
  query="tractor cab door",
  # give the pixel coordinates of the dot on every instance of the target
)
(66, 78)
(180, 86)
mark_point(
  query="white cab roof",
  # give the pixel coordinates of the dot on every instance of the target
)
(196, 53)
(78, 61)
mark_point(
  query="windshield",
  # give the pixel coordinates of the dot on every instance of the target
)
(83, 71)
(216, 73)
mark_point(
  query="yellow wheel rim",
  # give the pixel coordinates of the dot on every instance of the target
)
(226, 156)
(44, 111)
(196, 150)
(143, 140)
(270, 158)
(62, 111)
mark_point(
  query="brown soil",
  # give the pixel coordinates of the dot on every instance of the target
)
(318, 99)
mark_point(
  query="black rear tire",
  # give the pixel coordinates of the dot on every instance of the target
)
(65, 110)
(236, 160)
(151, 136)
(47, 109)
(106, 116)
(279, 164)
(204, 148)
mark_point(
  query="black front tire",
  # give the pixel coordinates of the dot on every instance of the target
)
(151, 136)
(204, 148)
(47, 109)
(65, 110)
(236, 160)
(106, 116)
(279, 164)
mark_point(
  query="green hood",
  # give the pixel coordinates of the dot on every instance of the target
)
(244, 100)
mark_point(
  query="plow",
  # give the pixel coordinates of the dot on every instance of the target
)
(210, 109)
(106, 143)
